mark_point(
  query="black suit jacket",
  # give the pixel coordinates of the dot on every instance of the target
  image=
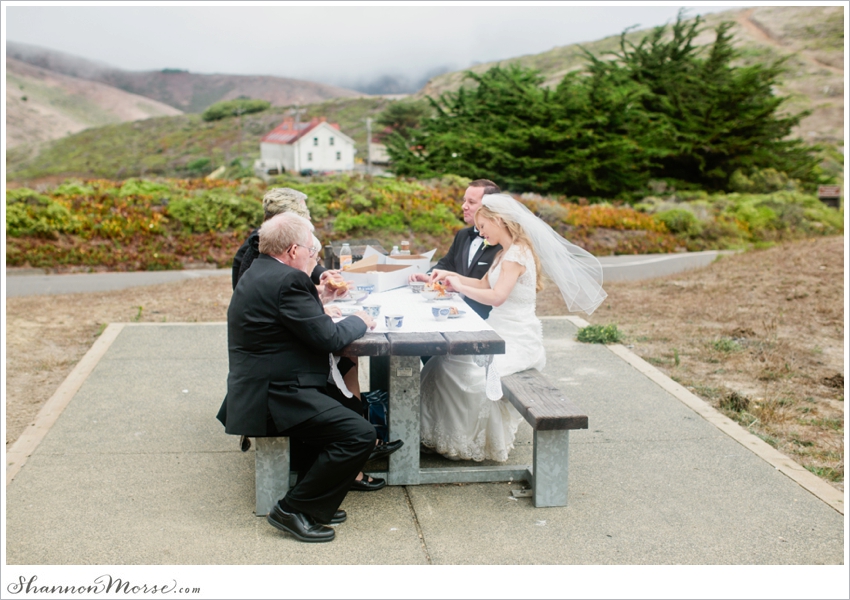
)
(278, 341)
(457, 260)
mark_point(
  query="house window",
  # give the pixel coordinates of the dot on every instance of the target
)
(339, 155)
(309, 156)
(315, 141)
(332, 140)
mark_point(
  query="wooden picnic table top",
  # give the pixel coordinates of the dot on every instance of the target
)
(426, 344)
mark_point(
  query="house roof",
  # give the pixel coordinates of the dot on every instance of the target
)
(288, 132)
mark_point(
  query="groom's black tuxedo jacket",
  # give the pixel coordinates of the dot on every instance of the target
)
(278, 341)
(457, 260)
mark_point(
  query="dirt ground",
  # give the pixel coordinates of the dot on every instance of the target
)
(759, 335)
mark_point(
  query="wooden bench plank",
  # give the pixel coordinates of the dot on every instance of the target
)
(474, 342)
(541, 404)
(371, 344)
(417, 344)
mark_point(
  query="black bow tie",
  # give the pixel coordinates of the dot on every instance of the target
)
(473, 233)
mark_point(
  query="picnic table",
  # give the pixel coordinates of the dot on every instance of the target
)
(394, 365)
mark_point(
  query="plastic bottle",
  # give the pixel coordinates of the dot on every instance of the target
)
(405, 247)
(345, 257)
(394, 251)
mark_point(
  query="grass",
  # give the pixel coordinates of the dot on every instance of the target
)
(827, 473)
(600, 334)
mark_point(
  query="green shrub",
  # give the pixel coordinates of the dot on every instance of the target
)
(29, 213)
(25, 196)
(600, 334)
(680, 220)
(216, 210)
(761, 181)
(199, 165)
(726, 345)
(142, 187)
(74, 188)
(232, 108)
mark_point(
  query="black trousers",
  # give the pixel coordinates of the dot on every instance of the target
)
(333, 447)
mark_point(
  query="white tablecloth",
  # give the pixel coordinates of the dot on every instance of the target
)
(417, 313)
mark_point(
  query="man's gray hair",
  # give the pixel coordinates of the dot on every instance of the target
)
(280, 232)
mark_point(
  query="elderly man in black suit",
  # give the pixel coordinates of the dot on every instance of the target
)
(468, 255)
(280, 343)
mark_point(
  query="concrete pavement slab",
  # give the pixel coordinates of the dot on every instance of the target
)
(156, 481)
(632, 267)
(182, 508)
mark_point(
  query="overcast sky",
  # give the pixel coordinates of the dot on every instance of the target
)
(350, 46)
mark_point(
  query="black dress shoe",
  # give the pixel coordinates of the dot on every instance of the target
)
(300, 526)
(368, 484)
(385, 449)
(339, 517)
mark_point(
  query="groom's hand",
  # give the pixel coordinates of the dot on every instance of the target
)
(438, 275)
(417, 277)
(453, 281)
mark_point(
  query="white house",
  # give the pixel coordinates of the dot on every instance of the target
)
(317, 145)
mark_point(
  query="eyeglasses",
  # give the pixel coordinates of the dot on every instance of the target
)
(311, 249)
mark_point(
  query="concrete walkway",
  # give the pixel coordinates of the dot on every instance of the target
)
(126, 465)
(32, 282)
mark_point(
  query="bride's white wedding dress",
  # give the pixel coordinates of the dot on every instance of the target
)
(458, 420)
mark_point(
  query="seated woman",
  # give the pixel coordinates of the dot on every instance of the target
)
(463, 413)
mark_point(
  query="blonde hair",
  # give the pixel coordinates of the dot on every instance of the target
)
(279, 233)
(517, 234)
(281, 200)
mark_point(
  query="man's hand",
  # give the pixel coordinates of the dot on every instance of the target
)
(333, 288)
(370, 323)
(417, 277)
(453, 282)
(439, 275)
(333, 311)
(331, 273)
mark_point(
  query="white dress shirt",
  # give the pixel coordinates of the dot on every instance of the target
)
(474, 245)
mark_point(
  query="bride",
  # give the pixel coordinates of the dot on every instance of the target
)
(463, 413)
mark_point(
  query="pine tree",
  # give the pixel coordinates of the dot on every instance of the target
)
(661, 109)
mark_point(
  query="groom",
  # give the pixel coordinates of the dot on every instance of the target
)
(468, 255)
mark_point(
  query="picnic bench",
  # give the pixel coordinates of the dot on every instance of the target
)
(551, 416)
(549, 413)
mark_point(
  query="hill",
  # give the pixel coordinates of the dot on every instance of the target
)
(188, 92)
(44, 105)
(811, 38)
(180, 146)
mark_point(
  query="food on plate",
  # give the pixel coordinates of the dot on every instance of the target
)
(437, 287)
(453, 310)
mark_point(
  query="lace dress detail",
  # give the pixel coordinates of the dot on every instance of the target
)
(458, 419)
